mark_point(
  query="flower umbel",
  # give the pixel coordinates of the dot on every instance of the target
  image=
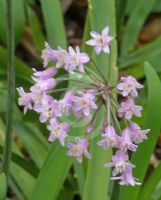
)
(88, 94)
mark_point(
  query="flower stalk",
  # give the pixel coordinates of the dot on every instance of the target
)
(10, 89)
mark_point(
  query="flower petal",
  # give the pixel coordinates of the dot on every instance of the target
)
(91, 42)
(94, 34)
(98, 49)
(105, 31)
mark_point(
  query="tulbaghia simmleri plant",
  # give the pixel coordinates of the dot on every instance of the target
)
(83, 100)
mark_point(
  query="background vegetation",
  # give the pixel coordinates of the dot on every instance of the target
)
(42, 171)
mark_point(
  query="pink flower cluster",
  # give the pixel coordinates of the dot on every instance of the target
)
(129, 138)
(83, 101)
(51, 110)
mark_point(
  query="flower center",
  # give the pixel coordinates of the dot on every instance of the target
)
(120, 165)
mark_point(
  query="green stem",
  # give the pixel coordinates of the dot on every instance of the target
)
(69, 79)
(98, 69)
(118, 128)
(10, 89)
(108, 111)
(94, 74)
(79, 87)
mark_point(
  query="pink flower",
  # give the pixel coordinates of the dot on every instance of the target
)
(127, 178)
(78, 149)
(137, 135)
(110, 138)
(45, 74)
(128, 109)
(48, 54)
(83, 104)
(129, 86)
(44, 84)
(25, 99)
(62, 57)
(66, 103)
(48, 108)
(89, 128)
(119, 162)
(125, 141)
(58, 131)
(37, 94)
(101, 42)
(75, 60)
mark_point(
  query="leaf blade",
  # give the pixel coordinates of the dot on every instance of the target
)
(52, 178)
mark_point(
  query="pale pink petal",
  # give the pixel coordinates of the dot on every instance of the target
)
(105, 31)
(91, 42)
(106, 49)
(120, 86)
(81, 68)
(98, 49)
(109, 38)
(94, 34)
(77, 50)
(84, 58)
(71, 50)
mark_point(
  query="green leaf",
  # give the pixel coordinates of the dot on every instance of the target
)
(2, 186)
(23, 71)
(35, 148)
(135, 70)
(54, 23)
(52, 175)
(141, 157)
(98, 20)
(150, 52)
(14, 187)
(36, 32)
(150, 185)
(19, 20)
(24, 180)
(21, 176)
(130, 5)
(80, 175)
(120, 15)
(156, 195)
(157, 6)
(96, 186)
(26, 165)
(86, 35)
(100, 13)
(138, 15)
